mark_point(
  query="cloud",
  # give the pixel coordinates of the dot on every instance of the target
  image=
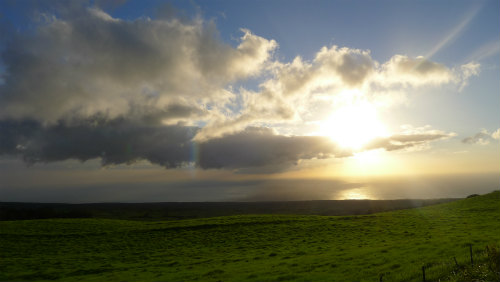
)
(78, 61)
(483, 137)
(296, 88)
(124, 142)
(113, 141)
(85, 62)
(485, 51)
(412, 138)
(352, 66)
(121, 141)
(455, 32)
(414, 72)
(496, 135)
(259, 147)
(466, 71)
(81, 84)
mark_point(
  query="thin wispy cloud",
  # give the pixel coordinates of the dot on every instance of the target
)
(485, 51)
(483, 137)
(455, 32)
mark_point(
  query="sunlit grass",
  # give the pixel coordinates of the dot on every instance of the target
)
(252, 248)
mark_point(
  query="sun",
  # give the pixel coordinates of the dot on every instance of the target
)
(353, 125)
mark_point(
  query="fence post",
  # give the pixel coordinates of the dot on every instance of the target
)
(471, 259)
(456, 263)
(381, 277)
(423, 273)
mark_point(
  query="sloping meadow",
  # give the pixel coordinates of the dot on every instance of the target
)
(394, 245)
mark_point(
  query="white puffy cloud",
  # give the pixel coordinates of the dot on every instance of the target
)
(84, 62)
(351, 66)
(336, 76)
(406, 71)
(87, 62)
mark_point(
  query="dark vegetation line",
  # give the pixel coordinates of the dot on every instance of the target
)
(190, 210)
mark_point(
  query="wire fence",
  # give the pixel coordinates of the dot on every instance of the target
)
(488, 258)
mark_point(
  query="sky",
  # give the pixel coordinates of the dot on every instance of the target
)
(156, 101)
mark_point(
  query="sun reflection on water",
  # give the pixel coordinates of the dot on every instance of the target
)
(355, 194)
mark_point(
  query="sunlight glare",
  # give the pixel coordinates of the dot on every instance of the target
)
(354, 194)
(354, 125)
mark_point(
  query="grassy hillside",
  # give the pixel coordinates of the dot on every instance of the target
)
(252, 248)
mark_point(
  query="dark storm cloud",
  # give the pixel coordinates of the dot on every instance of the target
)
(115, 142)
(258, 147)
(120, 141)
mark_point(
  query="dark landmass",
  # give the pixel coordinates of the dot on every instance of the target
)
(187, 210)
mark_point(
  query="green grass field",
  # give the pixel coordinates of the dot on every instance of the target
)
(253, 248)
